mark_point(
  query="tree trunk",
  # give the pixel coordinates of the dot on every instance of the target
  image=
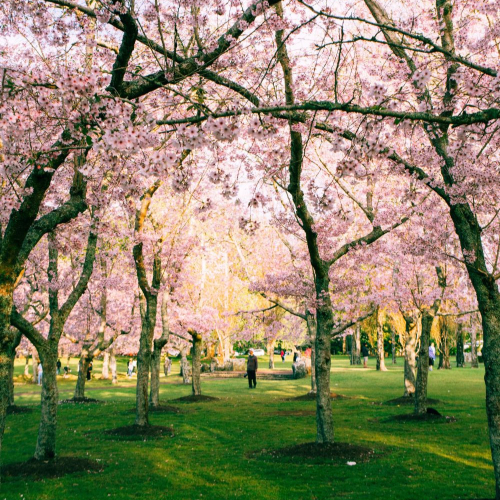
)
(380, 345)
(185, 368)
(356, 346)
(10, 360)
(196, 364)
(34, 363)
(311, 329)
(409, 364)
(393, 343)
(473, 349)
(270, 351)
(460, 346)
(324, 322)
(154, 394)
(46, 442)
(105, 366)
(27, 367)
(112, 366)
(144, 360)
(423, 359)
(445, 349)
(83, 366)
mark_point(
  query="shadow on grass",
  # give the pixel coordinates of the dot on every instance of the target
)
(195, 399)
(139, 432)
(80, 401)
(18, 410)
(409, 401)
(431, 415)
(160, 409)
(38, 470)
(316, 453)
(311, 396)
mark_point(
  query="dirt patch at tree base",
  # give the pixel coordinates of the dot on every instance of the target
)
(140, 432)
(311, 396)
(195, 399)
(431, 415)
(337, 453)
(80, 401)
(18, 410)
(409, 401)
(37, 470)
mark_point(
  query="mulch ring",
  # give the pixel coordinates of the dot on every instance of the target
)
(311, 396)
(431, 415)
(140, 432)
(195, 399)
(37, 470)
(333, 453)
(80, 401)
(18, 410)
(409, 401)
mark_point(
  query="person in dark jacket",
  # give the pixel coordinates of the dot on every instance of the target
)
(364, 353)
(252, 365)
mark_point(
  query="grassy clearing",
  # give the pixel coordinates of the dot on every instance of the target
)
(216, 452)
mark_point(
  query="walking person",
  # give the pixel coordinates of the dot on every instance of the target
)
(432, 356)
(252, 365)
(282, 355)
(364, 353)
(58, 365)
(89, 371)
(40, 373)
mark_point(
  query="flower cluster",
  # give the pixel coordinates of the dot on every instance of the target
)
(222, 129)
(421, 78)
(249, 226)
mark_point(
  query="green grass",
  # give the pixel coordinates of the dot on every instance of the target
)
(211, 457)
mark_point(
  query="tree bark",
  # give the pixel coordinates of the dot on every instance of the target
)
(27, 367)
(11, 359)
(196, 363)
(270, 351)
(311, 329)
(46, 442)
(34, 363)
(112, 366)
(393, 343)
(154, 393)
(324, 322)
(409, 364)
(185, 367)
(356, 346)
(105, 366)
(380, 344)
(473, 349)
(423, 359)
(460, 346)
(83, 365)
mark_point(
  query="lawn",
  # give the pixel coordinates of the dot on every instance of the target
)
(217, 448)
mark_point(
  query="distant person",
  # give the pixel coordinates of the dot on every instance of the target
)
(282, 355)
(66, 371)
(252, 365)
(129, 368)
(432, 356)
(40, 373)
(89, 371)
(58, 365)
(134, 366)
(364, 353)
